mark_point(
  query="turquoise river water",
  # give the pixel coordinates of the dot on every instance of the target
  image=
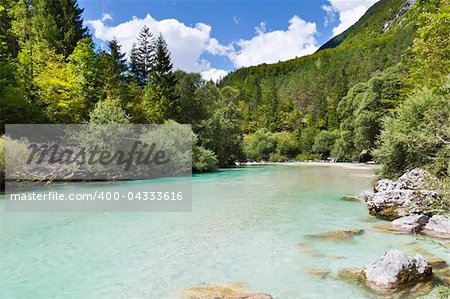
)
(246, 225)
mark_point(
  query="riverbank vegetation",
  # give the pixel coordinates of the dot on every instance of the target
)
(380, 90)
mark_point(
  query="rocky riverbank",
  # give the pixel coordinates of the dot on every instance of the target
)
(411, 203)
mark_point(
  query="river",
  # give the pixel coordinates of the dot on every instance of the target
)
(250, 225)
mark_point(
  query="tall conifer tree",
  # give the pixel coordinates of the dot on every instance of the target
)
(63, 24)
(119, 62)
(163, 79)
(142, 56)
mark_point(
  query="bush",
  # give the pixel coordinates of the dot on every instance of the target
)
(16, 156)
(417, 136)
(108, 112)
(287, 146)
(324, 142)
(203, 159)
(361, 112)
(260, 145)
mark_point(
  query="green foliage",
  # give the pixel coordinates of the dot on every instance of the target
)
(361, 112)
(8, 44)
(429, 59)
(13, 151)
(162, 82)
(222, 134)
(82, 62)
(111, 70)
(142, 56)
(264, 145)
(108, 112)
(118, 60)
(287, 146)
(192, 107)
(260, 145)
(56, 23)
(417, 135)
(324, 142)
(203, 159)
(60, 90)
(176, 141)
(60, 24)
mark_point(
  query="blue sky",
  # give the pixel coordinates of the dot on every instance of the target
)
(215, 37)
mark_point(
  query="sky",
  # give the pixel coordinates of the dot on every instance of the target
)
(216, 37)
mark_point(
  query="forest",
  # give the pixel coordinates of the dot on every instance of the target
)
(379, 91)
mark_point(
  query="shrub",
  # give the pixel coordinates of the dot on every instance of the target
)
(108, 112)
(203, 159)
(259, 145)
(287, 146)
(417, 136)
(13, 154)
(324, 142)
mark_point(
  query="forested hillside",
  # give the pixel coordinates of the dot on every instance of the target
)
(334, 103)
(380, 88)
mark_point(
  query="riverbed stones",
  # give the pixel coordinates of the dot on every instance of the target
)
(318, 273)
(337, 235)
(350, 198)
(235, 290)
(438, 226)
(412, 223)
(395, 270)
(310, 250)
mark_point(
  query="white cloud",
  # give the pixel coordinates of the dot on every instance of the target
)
(236, 20)
(278, 45)
(106, 17)
(186, 44)
(215, 48)
(214, 74)
(349, 11)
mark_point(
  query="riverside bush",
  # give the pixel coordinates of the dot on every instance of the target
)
(417, 135)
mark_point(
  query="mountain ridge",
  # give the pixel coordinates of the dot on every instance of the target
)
(375, 17)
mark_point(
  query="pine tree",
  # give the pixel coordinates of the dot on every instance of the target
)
(62, 24)
(163, 79)
(134, 62)
(118, 59)
(111, 71)
(142, 56)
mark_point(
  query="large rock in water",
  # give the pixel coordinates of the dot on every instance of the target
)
(391, 200)
(412, 223)
(438, 226)
(395, 270)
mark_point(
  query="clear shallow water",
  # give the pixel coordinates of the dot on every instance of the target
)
(245, 226)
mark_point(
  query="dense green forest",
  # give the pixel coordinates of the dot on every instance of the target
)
(380, 90)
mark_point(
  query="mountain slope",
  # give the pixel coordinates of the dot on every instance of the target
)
(366, 36)
(378, 16)
(315, 84)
